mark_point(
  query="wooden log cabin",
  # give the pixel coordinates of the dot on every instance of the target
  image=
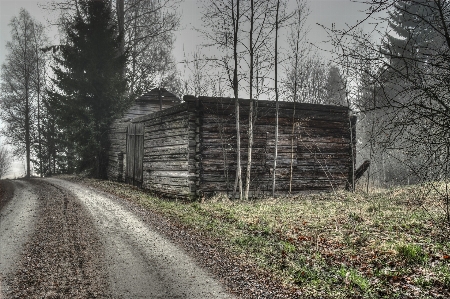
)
(121, 129)
(189, 149)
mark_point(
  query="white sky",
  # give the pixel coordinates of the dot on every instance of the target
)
(325, 12)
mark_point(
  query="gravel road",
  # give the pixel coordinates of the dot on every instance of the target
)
(16, 224)
(82, 244)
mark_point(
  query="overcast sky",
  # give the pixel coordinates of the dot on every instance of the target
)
(325, 12)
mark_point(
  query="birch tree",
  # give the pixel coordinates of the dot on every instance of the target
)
(259, 35)
(299, 50)
(21, 84)
(223, 20)
(277, 25)
(281, 18)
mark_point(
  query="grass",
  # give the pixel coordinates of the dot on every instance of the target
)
(334, 245)
(412, 253)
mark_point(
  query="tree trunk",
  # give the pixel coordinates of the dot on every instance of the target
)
(250, 112)
(121, 20)
(297, 45)
(371, 141)
(277, 104)
(27, 108)
(238, 180)
(38, 105)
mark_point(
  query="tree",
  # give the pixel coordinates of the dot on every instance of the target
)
(259, 36)
(251, 49)
(89, 85)
(411, 40)
(5, 161)
(298, 52)
(236, 19)
(223, 20)
(277, 25)
(335, 87)
(413, 69)
(281, 18)
(145, 32)
(308, 80)
(148, 28)
(21, 84)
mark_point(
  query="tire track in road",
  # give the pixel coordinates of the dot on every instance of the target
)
(62, 258)
(140, 262)
(17, 220)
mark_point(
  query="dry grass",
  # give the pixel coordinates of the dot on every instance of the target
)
(386, 244)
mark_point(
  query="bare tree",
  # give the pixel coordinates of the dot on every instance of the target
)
(148, 37)
(299, 49)
(199, 81)
(5, 161)
(413, 71)
(251, 109)
(236, 19)
(281, 18)
(258, 15)
(19, 94)
(276, 99)
(223, 20)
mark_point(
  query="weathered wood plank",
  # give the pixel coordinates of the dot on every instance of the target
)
(163, 113)
(165, 165)
(168, 173)
(166, 142)
(167, 150)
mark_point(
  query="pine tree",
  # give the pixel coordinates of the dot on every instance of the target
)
(89, 86)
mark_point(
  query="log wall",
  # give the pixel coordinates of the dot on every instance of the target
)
(314, 139)
(169, 146)
(155, 100)
(190, 148)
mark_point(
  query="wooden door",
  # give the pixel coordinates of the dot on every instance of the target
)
(135, 154)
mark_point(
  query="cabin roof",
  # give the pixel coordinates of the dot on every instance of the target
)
(269, 104)
(153, 95)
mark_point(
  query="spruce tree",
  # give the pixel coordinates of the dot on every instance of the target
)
(335, 87)
(90, 86)
(407, 46)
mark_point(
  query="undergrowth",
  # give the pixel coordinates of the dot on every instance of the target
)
(331, 245)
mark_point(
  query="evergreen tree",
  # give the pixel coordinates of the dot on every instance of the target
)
(89, 91)
(411, 80)
(408, 46)
(335, 87)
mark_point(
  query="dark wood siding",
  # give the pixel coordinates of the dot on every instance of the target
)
(155, 100)
(316, 140)
(189, 150)
(135, 154)
(166, 152)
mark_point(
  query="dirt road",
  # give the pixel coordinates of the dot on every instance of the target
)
(63, 240)
(17, 219)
